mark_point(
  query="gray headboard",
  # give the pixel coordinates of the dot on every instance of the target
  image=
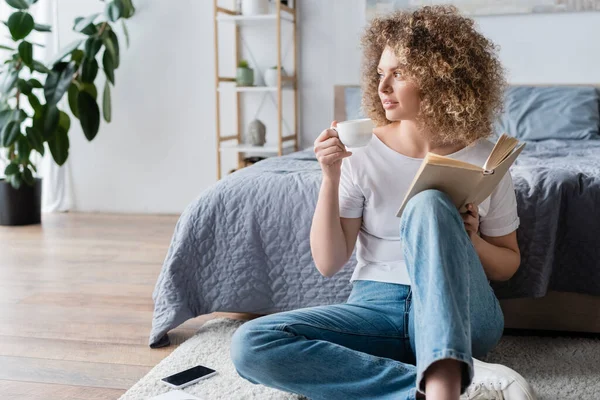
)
(346, 102)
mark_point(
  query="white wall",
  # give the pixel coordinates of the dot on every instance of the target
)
(159, 152)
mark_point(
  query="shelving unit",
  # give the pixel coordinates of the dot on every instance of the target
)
(283, 14)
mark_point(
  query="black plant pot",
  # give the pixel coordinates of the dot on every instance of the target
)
(21, 206)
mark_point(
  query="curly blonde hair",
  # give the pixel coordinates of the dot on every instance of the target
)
(456, 69)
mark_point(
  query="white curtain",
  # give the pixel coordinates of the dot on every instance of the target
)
(56, 187)
(57, 193)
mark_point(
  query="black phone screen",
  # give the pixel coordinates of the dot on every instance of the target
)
(188, 375)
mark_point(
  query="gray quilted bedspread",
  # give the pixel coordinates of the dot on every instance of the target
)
(243, 244)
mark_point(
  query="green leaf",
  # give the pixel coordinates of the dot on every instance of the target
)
(24, 87)
(128, 8)
(51, 119)
(107, 103)
(66, 51)
(11, 169)
(23, 149)
(58, 82)
(89, 70)
(16, 181)
(77, 56)
(10, 133)
(89, 115)
(126, 32)
(109, 66)
(20, 4)
(72, 95)
(5, 117)
(42, 28)
(9, 81)
(20, 25)
(64, 121)
(35, 103)
(89, 88)
(59, 146)
(26, 52)
(34, 83)
(28, 177)
(35, 139)
(39, 67)
(92, 46)
(3, 47)
(84, 24)
(113, 11)
(111, 43)
(19, 116)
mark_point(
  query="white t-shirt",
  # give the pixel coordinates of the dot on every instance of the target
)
(373, 183)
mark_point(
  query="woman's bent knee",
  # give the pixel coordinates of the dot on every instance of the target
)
(241, 346)
(248, 346)
(429, 200)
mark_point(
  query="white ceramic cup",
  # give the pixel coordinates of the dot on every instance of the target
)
(356, 132)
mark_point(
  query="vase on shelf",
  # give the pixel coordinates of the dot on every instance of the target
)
(255, 7)
(271, 77)
(256, 134)
(244, 75)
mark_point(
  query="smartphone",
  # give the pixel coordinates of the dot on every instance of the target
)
(188, 377)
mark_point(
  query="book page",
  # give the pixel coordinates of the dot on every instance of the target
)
(502, 149)
(437, 159)
(489, 182)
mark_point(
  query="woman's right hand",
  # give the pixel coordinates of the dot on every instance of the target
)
(330, 151)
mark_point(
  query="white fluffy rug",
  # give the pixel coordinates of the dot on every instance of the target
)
(559, 368)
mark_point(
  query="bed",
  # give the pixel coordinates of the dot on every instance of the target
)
(242, 245)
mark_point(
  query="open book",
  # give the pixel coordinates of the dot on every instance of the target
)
(464, 182)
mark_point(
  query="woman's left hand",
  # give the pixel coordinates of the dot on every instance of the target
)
(471, 219)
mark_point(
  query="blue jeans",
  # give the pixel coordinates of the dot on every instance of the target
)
(380, 342)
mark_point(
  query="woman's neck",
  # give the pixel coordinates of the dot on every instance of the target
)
(406, 138)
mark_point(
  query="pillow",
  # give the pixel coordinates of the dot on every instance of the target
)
(550, 112)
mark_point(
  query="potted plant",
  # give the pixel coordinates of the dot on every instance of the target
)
(271, 76)
(31, 119)
(255, 7)
(244, 74)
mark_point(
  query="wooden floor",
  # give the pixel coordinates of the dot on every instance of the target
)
(76, 305)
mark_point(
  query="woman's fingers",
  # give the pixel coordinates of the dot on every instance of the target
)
(330, 159)
(471, 222)
(330, 150)
(331, 142)
(326, 134)
(474, 210)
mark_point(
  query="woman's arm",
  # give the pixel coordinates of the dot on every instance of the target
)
(332, 239)
(499, 255)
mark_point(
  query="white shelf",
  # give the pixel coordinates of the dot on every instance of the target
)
(267, 148)
(253, 88)
(253, 19)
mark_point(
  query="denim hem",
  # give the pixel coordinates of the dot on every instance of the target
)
(445, 354)
(412, 394)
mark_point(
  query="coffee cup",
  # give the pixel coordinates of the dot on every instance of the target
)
(356, 132)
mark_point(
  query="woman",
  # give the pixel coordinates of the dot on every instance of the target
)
(421, 307)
